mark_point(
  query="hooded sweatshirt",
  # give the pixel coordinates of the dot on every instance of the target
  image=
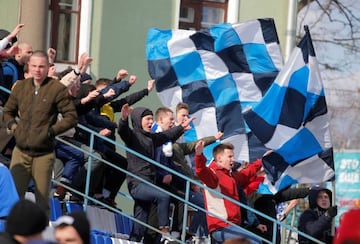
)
(313, 221)
(144, 143)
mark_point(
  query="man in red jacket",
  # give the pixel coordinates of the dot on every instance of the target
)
(218, 176)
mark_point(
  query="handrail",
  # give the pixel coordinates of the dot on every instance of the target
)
(188, 180)
(186, 200)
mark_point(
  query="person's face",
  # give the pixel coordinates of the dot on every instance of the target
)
(182, 115)
(323, 200)
(99, 87)
(67, 235)
(167, 121)
(146, 123)
(225, 159)
(25, 53)
(74, 89)
(38, 68)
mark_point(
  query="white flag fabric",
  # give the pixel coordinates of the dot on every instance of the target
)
(218, 72)
(292, 119)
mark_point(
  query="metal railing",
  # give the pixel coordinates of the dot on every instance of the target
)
(93, 155)
(185, 200)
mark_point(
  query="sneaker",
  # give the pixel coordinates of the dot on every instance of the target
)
(199, 240)
(166, 239)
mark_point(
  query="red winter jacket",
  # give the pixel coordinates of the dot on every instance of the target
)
(227, 183)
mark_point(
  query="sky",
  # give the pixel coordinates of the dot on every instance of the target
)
(340, 67)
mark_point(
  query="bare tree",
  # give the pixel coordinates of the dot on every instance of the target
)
(335, 30)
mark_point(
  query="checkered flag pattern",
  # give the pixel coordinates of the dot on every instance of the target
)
(292, 119)
(218, 72)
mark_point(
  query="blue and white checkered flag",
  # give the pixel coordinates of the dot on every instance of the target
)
(217, 72)
(292, 119)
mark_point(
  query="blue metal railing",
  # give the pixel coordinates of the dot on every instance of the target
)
(93, 155)
(186, 201)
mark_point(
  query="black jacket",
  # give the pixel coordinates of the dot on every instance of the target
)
(313, 221)
(144, 143)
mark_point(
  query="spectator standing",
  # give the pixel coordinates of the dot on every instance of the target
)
(37, 101)
(218, 176)
(7, 39)
(316, 220)
(144, 142)
(13, 68)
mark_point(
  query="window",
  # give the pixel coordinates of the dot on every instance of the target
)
(201, 14)
(64, 29)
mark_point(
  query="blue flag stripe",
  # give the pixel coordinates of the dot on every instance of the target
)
(217, 72)
(292, 120)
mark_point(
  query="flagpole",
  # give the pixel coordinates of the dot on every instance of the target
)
(291, 28)
(333, 203)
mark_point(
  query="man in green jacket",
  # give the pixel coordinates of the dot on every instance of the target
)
(36, 102)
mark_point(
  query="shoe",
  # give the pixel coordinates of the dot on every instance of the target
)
(166, 239)
(60, 192)
(107, 201)
(199, 240)
(110, 202)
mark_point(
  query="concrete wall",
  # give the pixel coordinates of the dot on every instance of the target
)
(33, 13)
(276, 9)
(9, 14)
(119, 30)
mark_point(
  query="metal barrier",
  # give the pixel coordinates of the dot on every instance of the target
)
(85, 194)
(186, 202)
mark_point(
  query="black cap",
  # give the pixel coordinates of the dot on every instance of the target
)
(26, 218)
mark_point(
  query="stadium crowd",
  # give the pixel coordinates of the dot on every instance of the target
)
(45, 104)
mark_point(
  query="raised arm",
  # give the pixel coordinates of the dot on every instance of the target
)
(205, 174)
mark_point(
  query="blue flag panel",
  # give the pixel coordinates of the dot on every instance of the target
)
(292, 120)
(218, 72)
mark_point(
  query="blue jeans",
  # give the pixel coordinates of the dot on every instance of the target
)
(231, 232)
(72, 159)
(144, 196)
(198, 224)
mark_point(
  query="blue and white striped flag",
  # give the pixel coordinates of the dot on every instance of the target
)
(292, 119)
(217, 72)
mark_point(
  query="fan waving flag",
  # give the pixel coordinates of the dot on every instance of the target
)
(292, 119)
(217, 72)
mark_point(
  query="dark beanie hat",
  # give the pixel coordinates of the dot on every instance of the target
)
(26, 218)
(5, 33)
(79, 221)
(146, 112)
